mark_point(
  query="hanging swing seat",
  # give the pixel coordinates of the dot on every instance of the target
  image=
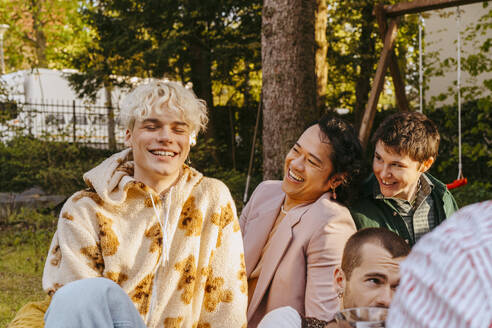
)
(457, 183)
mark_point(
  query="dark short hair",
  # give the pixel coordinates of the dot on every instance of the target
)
(346, 154)
(387, 239)
(410, 133)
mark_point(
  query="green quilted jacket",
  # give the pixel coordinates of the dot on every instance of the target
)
(369, 212)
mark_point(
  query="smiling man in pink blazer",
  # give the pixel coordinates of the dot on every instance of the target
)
(294, 230)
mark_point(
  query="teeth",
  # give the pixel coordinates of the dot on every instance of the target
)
(386, 182)
(295, 177)
(162, 153)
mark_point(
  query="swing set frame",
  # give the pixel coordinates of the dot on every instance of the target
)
(388, 17)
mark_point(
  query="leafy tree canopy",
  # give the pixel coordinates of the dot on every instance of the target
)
(42, 33)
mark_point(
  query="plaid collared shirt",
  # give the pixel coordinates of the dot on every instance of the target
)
(419, 215)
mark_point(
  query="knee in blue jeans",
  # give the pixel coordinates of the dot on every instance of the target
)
(92, 302)
(88, 285)
(87, 289)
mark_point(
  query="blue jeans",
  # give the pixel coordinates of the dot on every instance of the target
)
(93, 302)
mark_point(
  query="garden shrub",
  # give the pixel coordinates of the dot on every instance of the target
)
(476, 129)
(56, 167)
(473, 192)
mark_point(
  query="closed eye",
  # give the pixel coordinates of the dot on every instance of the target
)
(315, 164)
(179, 130)
(180, 127)
(150, 127)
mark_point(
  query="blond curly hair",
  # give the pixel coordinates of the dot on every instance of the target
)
(161, 95)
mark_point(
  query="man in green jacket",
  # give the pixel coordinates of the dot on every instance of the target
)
(400, 195)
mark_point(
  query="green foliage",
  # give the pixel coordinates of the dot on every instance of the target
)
(476, 123)
(354, 47)
(200, 157)
(54, 166)
(41, 33)
(8, 107)
(188, 41)
(474, 192)
(8, 110)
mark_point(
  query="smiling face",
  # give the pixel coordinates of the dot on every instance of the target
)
(160, 145)
(397, 174)
(307, 168)
(374, 281)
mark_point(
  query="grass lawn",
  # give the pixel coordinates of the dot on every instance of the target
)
(23, 249)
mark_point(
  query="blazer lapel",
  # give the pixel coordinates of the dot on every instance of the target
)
(273, 255)
(256, 238)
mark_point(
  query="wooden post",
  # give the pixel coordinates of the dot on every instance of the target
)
(377, 86)
(74, 127)
(252, 154)
(399, 84)
(388, 58)
(233, 137)
(418, 6)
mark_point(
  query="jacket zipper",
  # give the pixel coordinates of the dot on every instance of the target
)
(164, 258)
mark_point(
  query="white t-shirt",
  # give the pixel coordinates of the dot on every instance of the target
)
(283, 317)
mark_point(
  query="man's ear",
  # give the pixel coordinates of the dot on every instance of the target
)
(128, 137)
(426, 165)
(339, 279)
(337, 179)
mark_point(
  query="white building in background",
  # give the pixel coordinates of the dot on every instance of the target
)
(48, 105)
(441, 42)
(48, 85)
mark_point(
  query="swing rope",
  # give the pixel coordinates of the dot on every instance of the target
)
(458, 84)
(460, 180)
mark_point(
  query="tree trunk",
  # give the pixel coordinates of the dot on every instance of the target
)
(109, 106)
(289, 81)
(200, 73)
(39, 38)
(201, 78)
(321, 20)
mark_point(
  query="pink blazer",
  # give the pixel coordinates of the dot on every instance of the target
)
(298, 266)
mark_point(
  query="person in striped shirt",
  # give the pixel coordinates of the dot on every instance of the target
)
(446, 281)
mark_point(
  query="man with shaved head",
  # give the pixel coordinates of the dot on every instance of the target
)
(369, 273)
(368, 276)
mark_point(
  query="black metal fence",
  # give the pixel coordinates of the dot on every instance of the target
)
(74, 122)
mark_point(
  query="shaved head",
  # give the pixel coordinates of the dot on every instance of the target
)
(390, 241)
